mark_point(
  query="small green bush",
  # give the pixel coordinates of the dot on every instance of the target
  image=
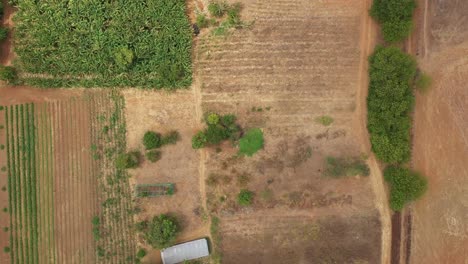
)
(245, 197)
(341, 167)
(5, 209)
(212, 119)
(423, 82)
(128, 160)
(4, 188)
(199, 140)
(152, 140)
(395, 16)
(95, 221)
(2, 147)
(233, 18)
(202, 21)
(6, 249)
(141, 253)
(405, 186)
(161, 231)
(153, 155)
(251, 142)
(3, 33)
(4, 168)
(2, 107)
(8, 74)
(218, 8)
(324, 120)
(5, 229)
(171, 138)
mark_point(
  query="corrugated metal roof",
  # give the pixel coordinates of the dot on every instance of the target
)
(186, 251)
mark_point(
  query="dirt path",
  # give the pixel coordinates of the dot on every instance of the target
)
(368, 40)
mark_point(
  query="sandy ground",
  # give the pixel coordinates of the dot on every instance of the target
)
(440, 229)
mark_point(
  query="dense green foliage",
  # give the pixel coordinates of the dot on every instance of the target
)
(340, 167)
(128, 160)
(245, 197)
(405, 186)
(251, 142)
(153, 155)
(395, 17)
(219, 128)
(152, 140)
(389, 103)
(161, 231)
(3, 33)
(104, 43)
(7, 74)
(141, 253)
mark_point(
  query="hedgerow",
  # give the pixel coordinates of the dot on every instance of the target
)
(405, 186)
(389, 103)
(104, 43)
(395, 17)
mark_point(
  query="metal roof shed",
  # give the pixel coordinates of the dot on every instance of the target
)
(185, 251)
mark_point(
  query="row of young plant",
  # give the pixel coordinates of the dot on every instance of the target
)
(392, 78)
(22, 183)
(113, 226)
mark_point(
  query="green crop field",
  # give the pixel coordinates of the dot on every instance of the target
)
(95, 43)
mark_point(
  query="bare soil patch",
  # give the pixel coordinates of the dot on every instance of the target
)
(440, 232)
(301, 60)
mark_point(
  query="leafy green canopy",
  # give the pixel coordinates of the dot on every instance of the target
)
(251, 142)
(389, 103)
(104, 43)
(219, 128)
(405, 186)
(161, 231)
(395, 16)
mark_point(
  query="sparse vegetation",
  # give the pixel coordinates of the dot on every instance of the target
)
(405, 186)
(389, 103)
(245, 197)
(324, 120)
(3, 33)
(395, 17)
(423, 82)
(251, 142)
(128, 160)
(341, 167)
(218, 8)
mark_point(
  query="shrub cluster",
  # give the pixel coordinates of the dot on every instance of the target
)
(405, 186)
(223, 15)
(161, 231)
(340, 167)
(128, 160)
(395, 17)
(389, 103)
(219, 128)
(251, 142)
(153, 140)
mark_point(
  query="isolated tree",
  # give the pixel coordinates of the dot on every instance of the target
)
(161, 231)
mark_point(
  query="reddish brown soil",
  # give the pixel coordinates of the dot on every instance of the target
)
(301, 60)
(440, 230)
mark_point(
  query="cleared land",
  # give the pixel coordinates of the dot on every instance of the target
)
(300, 61)
(61, 174)
(441, 138)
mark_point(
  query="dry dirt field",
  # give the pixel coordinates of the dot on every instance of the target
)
(440, 227)
(301, 60)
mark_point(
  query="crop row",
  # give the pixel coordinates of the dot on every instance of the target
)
(115, 238)
(22, 183)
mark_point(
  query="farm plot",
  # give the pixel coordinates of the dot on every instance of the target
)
(299, 64)
(136, 43)
(56, 189)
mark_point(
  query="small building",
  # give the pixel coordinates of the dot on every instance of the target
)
(185, 251)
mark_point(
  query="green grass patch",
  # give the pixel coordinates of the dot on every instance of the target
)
(405, 186)
(104, 43)
(324, 120)
(245, 197)
(423, 82)
(389, 103)
(251, 142)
